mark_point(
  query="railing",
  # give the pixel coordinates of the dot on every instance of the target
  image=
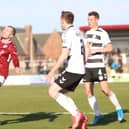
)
(33, 67)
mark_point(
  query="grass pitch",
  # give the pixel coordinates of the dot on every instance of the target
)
(30, 107)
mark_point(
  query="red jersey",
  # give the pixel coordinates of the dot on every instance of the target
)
(8, 52)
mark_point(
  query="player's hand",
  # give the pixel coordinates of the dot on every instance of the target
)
(18, 70)
(93, 51)
(50, 76)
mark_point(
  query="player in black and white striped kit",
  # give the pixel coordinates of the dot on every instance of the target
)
(98, 43)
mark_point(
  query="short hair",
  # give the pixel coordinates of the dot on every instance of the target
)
(68, 16)
(94, 13)
(13, 28)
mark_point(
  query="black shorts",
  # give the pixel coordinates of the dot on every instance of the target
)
(95, 74)
(68, 81)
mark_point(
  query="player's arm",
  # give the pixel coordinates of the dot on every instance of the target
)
(107, 45)
(14, 57)
(87, 50)
(105, 49)
(59, 63)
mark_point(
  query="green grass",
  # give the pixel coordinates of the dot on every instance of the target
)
(45, 113)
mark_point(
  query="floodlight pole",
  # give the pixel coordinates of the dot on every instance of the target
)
(29, 44)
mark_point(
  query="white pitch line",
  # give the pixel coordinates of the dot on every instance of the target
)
(28, 113)
(55, 113)
(16, 113)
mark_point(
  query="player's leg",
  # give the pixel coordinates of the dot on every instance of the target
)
(89, 90)
(63, 100)
(2, 122)
(93, 103)
(91, 98)
(112, 97)
(56, 91)
(2, 80)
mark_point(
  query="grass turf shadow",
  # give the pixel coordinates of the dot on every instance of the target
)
(51, 116)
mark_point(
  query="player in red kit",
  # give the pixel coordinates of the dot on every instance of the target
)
(8, 52)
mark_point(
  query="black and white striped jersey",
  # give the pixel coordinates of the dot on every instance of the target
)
(98, 38)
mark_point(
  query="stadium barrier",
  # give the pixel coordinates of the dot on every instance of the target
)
(41, 79)
(25, 80)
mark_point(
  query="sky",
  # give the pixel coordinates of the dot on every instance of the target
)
(44, 15)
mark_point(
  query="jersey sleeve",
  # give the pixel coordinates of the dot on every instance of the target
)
(86, 39)
(66, 40)
(13, 53)
(106, 38)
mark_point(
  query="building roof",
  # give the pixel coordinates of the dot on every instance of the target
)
(38, 42)
(108, 27)
(18, 30)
